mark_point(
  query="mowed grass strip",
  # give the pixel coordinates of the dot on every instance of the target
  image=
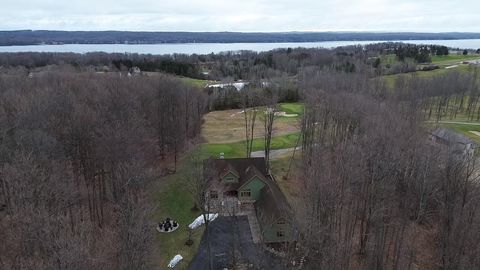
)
(196, 82)
(465, 130)
(453, 58)
(237, 149)
(292, 108)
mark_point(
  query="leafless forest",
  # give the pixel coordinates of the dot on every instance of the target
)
(77, 154)
(377, 193)
(79, 149)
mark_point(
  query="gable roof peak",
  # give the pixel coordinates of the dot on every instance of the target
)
(229, 169)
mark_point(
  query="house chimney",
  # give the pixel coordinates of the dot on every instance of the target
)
(222, 155)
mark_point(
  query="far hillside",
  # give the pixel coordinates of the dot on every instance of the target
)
(28, 37)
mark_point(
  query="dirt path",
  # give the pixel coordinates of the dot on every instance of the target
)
(456, 122)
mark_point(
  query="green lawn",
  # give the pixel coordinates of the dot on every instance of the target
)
(196, 82)
(427, 74)
(174, 201)
(465, 130)
(453, 58)
(390, 79)
(292, 108)
(237, 149)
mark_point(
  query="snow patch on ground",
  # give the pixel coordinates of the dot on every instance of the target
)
(237, 113)
(175, 261)
(238, 85)
(199, 221)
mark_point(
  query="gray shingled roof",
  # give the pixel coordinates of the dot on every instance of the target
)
(451, 137)
(272, 204)
(241, 166)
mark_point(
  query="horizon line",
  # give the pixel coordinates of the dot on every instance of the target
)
(253, 32)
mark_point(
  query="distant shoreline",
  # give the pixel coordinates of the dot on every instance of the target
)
(46, 37)
(207, 48)
(236, 42)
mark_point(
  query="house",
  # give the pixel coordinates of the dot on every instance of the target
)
(242, 186)
(457, 143)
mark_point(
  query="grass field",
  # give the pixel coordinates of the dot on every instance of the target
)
(196, 82)
(292, 108)
(390, 79)
(237, 149)
(465, 130)
(229, 126)
(452, 58)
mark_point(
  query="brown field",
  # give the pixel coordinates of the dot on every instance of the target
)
(229, 126)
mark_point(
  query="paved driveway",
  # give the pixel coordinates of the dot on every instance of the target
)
(275, 153)
(251, 255)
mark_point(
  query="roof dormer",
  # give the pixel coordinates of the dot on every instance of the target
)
(229, 175)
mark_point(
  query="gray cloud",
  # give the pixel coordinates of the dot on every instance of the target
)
(242, 15)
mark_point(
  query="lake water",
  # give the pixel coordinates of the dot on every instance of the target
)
(206, 48)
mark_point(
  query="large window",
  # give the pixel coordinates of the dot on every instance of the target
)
(247, 193)
(213, 194)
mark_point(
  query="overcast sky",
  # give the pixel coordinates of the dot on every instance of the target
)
(242, 15)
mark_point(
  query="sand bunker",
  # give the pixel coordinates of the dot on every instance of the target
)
(475, 132)
(284, 114)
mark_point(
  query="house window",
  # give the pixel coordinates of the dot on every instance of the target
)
(281, 222)
(246, 193)
(213, 195)
(230, 179)
(280, 233)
